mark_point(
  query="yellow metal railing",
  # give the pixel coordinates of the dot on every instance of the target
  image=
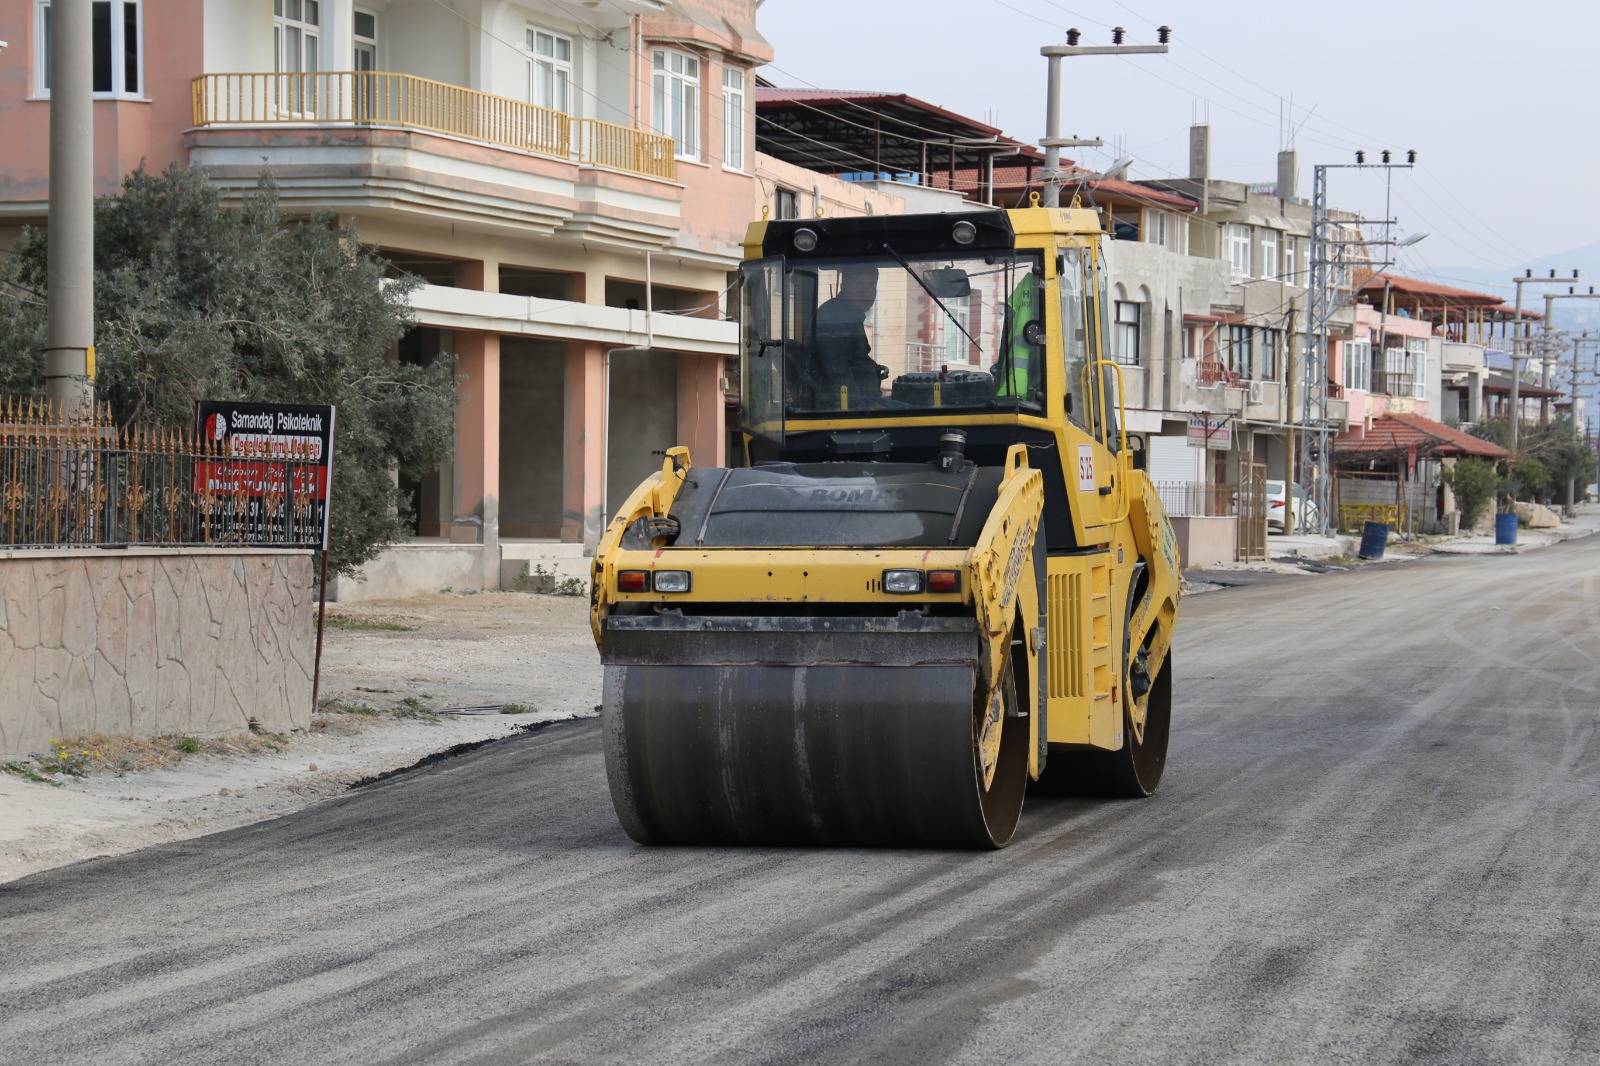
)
(375, 98)
(1356, 515)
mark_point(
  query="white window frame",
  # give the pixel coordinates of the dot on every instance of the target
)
(675, 99)
(1236, 242)
(957, 327)
(1269, 253)
(310, 30)
(358, 41)
(1125, 332)
(117, 45)
(1156, 224)
(1291, 250)
(1417, 360)
(733, 104)
(1358, 365)
(550, 77)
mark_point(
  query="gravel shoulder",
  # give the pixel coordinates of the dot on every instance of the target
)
(455, 652)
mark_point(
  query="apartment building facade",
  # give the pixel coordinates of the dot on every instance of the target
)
(570, 181)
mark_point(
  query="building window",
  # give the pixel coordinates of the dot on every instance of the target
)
(675, 100)
(1269, 253)
(1291, 267)
(117, 27)
(549, 69)
(1155, 227)
(366, 41)
(1239, 360)
(1358, 365)
(296, 35)
(785, 203)
(1125, 333)
(1267, 342)
(1237, 239)
(733, 118)
(1417, 366)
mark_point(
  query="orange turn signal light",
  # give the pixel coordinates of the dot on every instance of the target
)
(944, 581)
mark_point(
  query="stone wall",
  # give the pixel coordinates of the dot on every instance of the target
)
(153, 641)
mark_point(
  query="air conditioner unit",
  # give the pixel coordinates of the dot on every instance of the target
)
(1255, 392)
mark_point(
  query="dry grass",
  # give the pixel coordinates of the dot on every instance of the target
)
(98, 753)
(93, 753)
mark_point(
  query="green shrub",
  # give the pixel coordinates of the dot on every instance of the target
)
(1474, 482)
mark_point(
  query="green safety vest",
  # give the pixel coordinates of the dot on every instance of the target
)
(1024, 306)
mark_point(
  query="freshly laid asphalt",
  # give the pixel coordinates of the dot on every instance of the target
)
(1375, 843)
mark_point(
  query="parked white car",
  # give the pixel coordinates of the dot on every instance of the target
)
(1306, 514)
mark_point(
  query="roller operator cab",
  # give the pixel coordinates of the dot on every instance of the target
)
(935, 571)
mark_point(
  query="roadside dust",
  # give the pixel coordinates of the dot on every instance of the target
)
(388, 669)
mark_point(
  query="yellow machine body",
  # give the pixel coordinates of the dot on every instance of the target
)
(1045, 654)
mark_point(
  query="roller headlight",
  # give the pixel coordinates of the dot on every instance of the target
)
(672, 581)
(902, 582)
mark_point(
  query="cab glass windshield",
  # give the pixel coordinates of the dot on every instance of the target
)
(892, 335)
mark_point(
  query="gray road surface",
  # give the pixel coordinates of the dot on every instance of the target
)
(1376, 842)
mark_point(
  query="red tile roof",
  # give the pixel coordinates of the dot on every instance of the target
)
(1116, 187)
(1429, 290)
(1395, 433)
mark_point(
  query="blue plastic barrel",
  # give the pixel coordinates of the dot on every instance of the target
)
(1505, 528)
(1374, 538)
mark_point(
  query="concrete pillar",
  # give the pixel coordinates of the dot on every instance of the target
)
(476, 509)
(480, 275)
(69, 342)
(583, 445)
(1474, 398)
(701, 421)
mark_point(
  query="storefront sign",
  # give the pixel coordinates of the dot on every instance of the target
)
(270, 480)
(1215, 433)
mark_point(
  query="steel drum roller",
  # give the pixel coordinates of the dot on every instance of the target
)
(864, 737)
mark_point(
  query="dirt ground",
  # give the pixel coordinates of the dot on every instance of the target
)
(400, 680)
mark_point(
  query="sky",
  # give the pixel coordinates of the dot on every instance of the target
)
(1496, 99)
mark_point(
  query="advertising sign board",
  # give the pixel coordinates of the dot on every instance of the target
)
(1214, 432)
(270, 479)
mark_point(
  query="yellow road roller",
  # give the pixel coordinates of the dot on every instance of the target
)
(934, 571)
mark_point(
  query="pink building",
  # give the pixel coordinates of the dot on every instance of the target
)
(570, 181)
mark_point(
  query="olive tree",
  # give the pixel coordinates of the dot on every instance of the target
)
(196, 300)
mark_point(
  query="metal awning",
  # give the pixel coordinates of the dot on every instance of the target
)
(860, 132)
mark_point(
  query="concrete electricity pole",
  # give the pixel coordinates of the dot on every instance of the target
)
(69, 337)
(1053, 142)
(1517, 344)
(1313, 451)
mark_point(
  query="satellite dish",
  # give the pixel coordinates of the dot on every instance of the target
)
(1119, 169)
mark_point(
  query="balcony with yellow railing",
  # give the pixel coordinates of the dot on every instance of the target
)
(404, 101)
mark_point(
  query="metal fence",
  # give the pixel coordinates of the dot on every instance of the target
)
(79, 480)
(1193, 499)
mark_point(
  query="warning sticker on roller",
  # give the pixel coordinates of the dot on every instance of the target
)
(1085, 468)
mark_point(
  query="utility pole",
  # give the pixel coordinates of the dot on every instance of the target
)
(1517, 343)
(69, 335)
(1577, 379)
(1313, 455)
(1548, 340)
(1053, 142)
